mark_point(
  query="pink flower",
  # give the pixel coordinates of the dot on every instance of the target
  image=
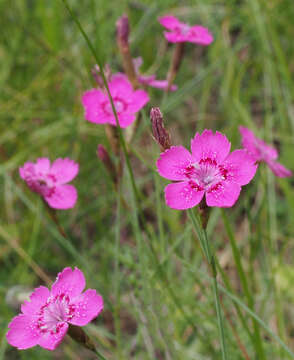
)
(50, 181)
(127, 103)
(260, 151)
(150, 80)
(181, 32)
(211, 170)
(44, 320)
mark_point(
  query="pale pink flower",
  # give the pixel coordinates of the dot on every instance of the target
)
(44, 319)
(50, 181)
(150, 80)
(211, 170)
(181, 32)
(260, 151)
(127, 103)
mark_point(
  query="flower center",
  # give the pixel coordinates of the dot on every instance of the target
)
(56, 311)
(119, 105)
(44, 184)
(206, 173)
(184, 29)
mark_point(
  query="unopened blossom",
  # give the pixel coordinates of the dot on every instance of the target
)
(50, 181)
(44, 320)
(210, 170)
(127, 102)
(181, 32)
(260, 151)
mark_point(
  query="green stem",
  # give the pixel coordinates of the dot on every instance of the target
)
(202, 235)
(237, 258)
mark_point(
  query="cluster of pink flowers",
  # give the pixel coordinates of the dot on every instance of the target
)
(210, 171)
(44, 320)
(213, 171)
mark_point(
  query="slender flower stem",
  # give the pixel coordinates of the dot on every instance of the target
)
(237, 258)
(53, 215)
(202, 235)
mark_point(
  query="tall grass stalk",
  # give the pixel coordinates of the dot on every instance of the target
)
(202, 235)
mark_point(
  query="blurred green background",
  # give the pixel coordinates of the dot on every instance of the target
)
(245, 77)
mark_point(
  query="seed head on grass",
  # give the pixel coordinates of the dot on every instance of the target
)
(210, 170)
(45, 319)
(50, 181)
(260, 151)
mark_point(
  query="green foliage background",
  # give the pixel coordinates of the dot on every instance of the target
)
(244, 77)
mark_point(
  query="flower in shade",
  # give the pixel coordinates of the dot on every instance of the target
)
(181, 32)
(44, 319)
(127, 103)
(150, 80)
(260, 151)
(50, 181)
(210, 170)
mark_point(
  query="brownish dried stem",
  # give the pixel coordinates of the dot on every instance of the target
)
(175, 63)
(78, 334)
(122, 35)
(52, 213)
(113, 137)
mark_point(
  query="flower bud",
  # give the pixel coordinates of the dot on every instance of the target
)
(104, 156)
(161, 136)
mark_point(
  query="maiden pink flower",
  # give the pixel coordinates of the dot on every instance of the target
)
(211, 170)
(45, 319)
(127, 103)
(181, 32)
(150, 80)
(50, 181)
(260, 151)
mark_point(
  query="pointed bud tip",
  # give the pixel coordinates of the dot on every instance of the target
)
(161, 136)
(122, 29)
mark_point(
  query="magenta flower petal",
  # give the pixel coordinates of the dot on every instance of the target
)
(241, 169)
(23, 333)
(37, 300)
(224, 194)
(42, 165)
(120, 85)
(64, 170)
(64, 197)
(169, 22)
(161, 84)
(181, 32)
(48, 181)
(71, 282)
(210, 170)
(209, 145)
(126, 120)
(201, 35)
(87, 307)
(50, 341)
(44, 319)
(183, 195)
(138, 100)
(173, 163)
(257, 147)
(92, 101)
(279, 169)
(260, 151)
(127, 102)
